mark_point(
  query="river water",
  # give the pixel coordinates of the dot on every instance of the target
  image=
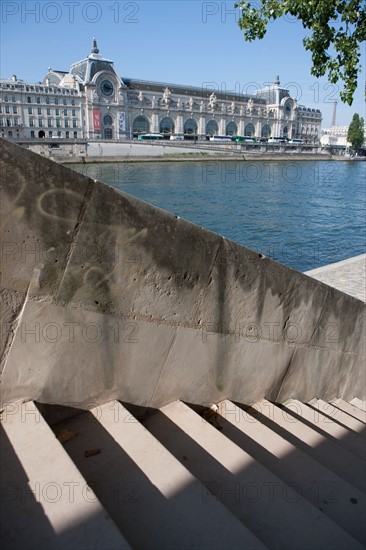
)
(304, 214)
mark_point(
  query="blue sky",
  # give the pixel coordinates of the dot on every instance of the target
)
(186, 42)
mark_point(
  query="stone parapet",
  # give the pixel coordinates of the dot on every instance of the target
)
(107, 297)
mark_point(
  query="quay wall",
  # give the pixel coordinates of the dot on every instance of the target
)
(107, 297)
(108, 151)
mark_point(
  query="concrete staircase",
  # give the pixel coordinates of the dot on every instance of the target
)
(152, 320)
(225, 476)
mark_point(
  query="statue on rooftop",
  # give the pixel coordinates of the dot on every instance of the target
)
(166, 95)
(212, 101)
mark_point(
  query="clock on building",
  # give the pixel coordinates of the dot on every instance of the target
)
(288, 108)
(107, 88)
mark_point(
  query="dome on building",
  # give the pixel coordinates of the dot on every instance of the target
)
(87, 68)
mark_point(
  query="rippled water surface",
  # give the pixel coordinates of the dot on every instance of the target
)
(304, 214)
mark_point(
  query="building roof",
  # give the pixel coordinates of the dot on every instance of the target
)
(87, 68)
(179, 89)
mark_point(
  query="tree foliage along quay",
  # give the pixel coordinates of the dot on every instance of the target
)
(355, 134)
(337, 29)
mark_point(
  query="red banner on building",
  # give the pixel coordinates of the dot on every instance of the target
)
(96, 120)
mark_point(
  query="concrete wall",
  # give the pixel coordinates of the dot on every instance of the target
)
(138, 149)
(67, 151)
(63, 149)
(105, 296)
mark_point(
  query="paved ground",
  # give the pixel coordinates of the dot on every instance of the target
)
(348, 276)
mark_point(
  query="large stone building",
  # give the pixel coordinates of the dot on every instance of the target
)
(92, 101)
(335, 135)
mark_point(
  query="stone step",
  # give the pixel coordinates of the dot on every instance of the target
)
(358, 403)
(45, 501)
(272, 509)
(285, 476)
(350, 409)
(319, 445)
(155, 501)
(324, 426)
(338, 415)
(265, 425)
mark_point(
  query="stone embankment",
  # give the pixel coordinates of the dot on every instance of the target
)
(130, 151)
(108, 297)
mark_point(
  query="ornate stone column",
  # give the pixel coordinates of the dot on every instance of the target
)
(277, 124)
(202, 126)
(222, 126)
(179, 125)
(154, 123)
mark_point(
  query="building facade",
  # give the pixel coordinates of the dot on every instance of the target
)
(335, 135)
(93, 102)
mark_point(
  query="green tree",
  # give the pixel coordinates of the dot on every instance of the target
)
(337, 29)
(355, 135)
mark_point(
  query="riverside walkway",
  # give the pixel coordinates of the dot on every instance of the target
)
(349, 276)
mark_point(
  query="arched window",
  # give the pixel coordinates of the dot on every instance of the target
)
(266, 131)
(190, 126)
(107, 120)
(285, 131)
(212, 128)
(140, 125)
(249, 129)
(167, 126)
(108, 133)
(231, 129)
